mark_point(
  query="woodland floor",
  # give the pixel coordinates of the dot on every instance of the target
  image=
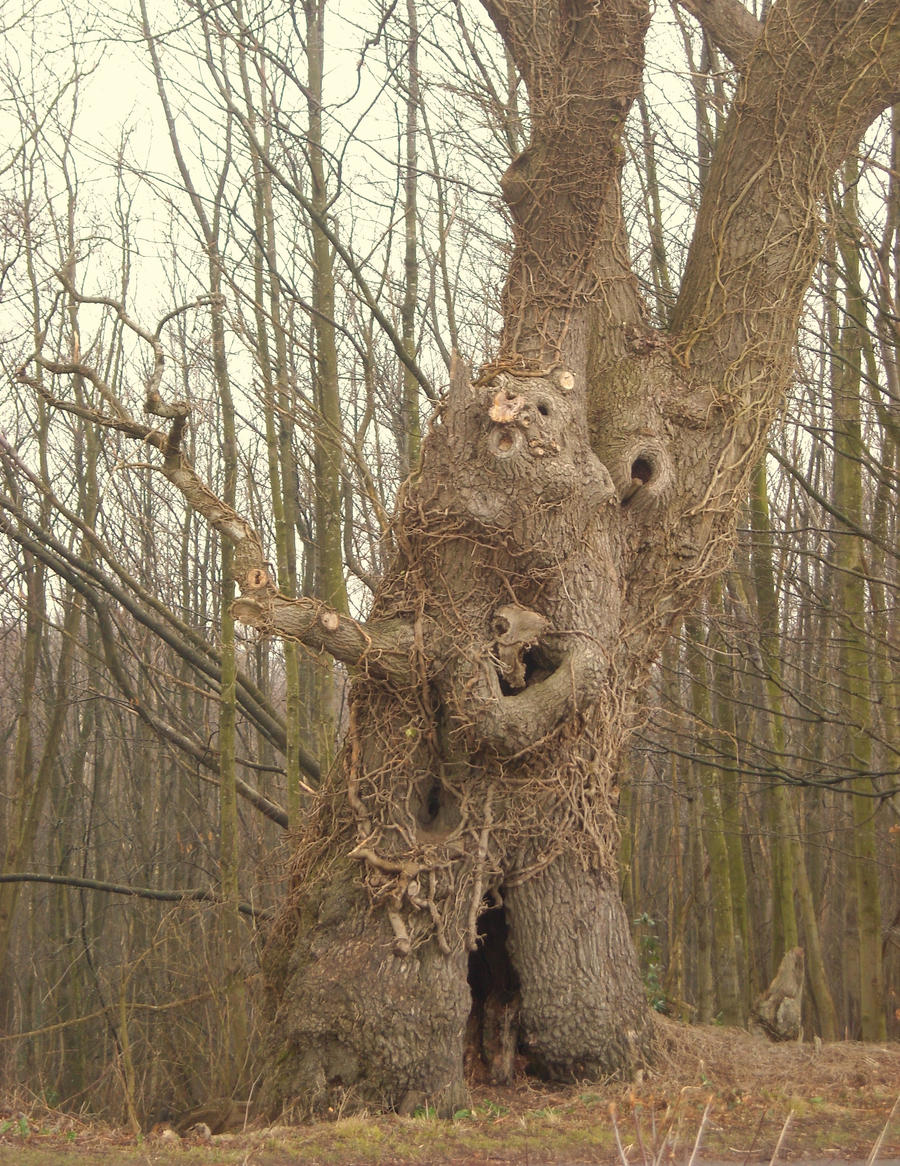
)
(840, 1099)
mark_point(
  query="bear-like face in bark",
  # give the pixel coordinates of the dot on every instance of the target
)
(522, 511)
(530, 417)
(520, 445)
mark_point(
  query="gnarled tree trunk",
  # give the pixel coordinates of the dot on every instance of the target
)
(571, 501)
(482, 774)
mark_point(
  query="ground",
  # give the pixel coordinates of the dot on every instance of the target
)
(840, 1099)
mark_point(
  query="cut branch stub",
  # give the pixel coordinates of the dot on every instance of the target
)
(506, 406)
(530, 417)
(258, 580)
(254, 604)
(460, 380)
(777, 1013)
(156, 407)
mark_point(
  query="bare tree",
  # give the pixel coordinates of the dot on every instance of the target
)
(571, 501)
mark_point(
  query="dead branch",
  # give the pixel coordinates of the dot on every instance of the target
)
(193, 895)
(383, 650)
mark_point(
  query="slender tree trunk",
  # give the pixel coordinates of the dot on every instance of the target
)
(730, 792)
(853, 655)
(703, 934)
(728, 996)
(278, 410)
(410, 412)
(330, 584)
(785, 933)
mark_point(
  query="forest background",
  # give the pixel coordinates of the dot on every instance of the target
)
(298, 211)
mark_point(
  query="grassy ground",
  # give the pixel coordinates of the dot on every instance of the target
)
(735, 1091)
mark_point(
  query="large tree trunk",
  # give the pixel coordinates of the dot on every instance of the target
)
(570, 503)
(485, 776)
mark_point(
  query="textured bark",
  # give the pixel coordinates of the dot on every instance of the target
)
(582, 1010)
(359, 1025)
(571, 503)
(485, 776)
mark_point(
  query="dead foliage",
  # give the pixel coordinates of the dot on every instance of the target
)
(811, 1101)
(729, 1058)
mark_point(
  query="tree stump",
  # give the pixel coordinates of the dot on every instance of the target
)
(776, 1014)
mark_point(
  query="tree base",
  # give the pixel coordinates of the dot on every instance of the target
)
(356, 1026)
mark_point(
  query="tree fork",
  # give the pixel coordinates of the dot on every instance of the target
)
(607, 550)
(589, 478)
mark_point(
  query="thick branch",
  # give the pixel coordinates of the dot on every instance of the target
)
(582, 65)
(817, 77)
(175, 465)
(384, 651)
(380, 648)
(818, 74)
(728, 24)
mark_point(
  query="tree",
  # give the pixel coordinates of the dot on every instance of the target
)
(570, 503)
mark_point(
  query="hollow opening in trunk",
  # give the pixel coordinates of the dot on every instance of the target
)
(537, 666)
(435, 808)
(492, 1032)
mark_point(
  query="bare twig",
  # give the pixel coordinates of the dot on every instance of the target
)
(193, 894)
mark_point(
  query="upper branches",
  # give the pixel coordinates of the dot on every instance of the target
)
(687, 413)
(582, 66)
(817, 76)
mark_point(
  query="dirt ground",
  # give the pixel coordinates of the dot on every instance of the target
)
(730, 1096)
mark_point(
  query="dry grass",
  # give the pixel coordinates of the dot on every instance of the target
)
(713, 1094)
(731, 1058)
